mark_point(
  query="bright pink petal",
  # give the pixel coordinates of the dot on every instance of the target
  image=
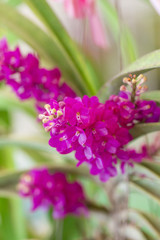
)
(97, 29)
(74, 8)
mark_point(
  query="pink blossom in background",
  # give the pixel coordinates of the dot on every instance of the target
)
(53, 190)
(28, 79)
(152, 150)
(87, 9)
(156, 5)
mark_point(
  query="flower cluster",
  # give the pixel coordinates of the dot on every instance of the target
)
(48, 190)
(98, 132)
(28, 80)
(87, 9)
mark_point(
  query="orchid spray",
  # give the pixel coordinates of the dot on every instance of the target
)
(86, 162)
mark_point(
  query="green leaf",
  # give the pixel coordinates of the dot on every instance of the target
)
(151, 95)
(145, 221)
(144, 128)
(72, 228)
(10, 103)
(152, 166)
(73, 65)
(30, 143)
(74, 55)
(148, 187)
(120, 32)
(11, 178)
(146, 63)
(12, 222)
(150, 169)
(128, 45)
(14, 2)
(147, 235)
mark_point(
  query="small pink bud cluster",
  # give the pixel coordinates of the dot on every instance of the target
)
(144, 111)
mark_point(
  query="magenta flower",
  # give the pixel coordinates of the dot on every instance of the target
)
(28, 80)
(48, 190)
(96, 132)
(87, 9)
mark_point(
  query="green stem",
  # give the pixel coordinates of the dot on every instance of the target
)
(12, 222)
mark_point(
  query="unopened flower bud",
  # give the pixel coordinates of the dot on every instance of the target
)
(125, 80)
(51, 117)
(53, 111)
(141, 79)
(47, 106)
(45, 120)
(134, 81)
(123, 88)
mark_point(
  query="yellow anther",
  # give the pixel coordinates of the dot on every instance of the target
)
(134, 81)
(140, 77)
(125, 80)
(51, 117)
(47, 106)
(77, 133)
(45, 120)
(59, 113)
(53, 111)
(61, 139)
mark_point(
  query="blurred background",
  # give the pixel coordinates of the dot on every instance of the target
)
(132, 30)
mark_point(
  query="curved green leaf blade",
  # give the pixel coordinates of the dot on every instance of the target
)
(144, 128)
(77, 60)
(146, 63)
(149, 171)
(148, 187)
(9, 103)
(31, 144)
(151, 95)
(11, 178)
(152, 166)
(145, 221)
(119, 29)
